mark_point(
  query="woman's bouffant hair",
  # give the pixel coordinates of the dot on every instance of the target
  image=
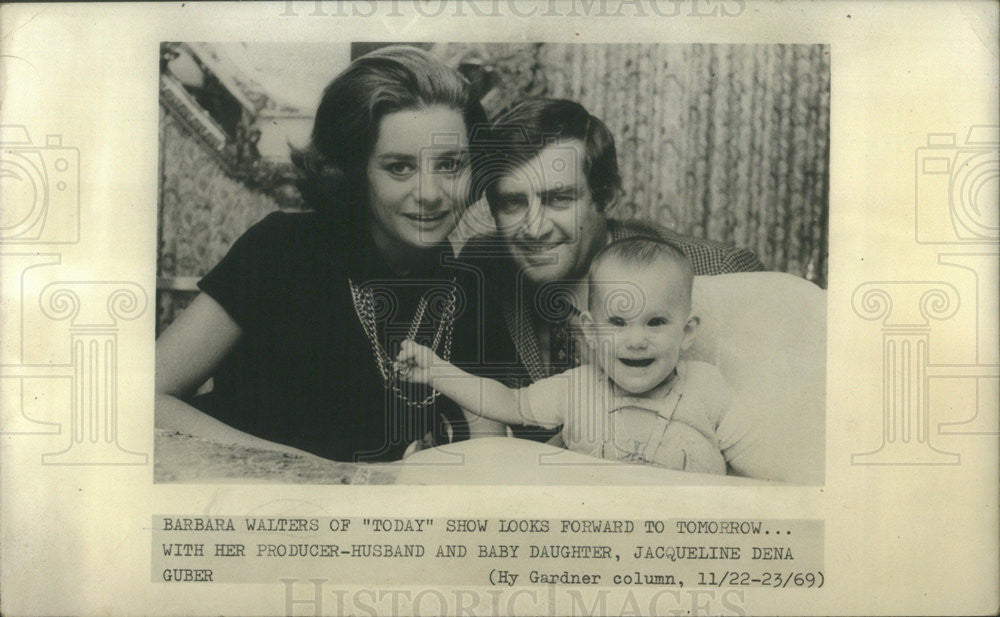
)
(387, 80)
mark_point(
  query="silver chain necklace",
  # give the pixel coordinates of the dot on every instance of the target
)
(364, 307)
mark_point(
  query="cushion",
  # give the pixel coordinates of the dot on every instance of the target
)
(766, 332)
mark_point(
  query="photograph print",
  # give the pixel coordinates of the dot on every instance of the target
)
(456, 263)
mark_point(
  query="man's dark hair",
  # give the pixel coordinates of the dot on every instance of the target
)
(522, 131)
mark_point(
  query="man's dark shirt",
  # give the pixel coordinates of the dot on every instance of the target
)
(508, 348)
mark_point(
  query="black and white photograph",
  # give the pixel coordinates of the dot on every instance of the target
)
(499, 307)
(492, 263)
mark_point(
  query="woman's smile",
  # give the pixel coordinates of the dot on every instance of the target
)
(427, 219)
(417, 191)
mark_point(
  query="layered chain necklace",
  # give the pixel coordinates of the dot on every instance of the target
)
(364, 307)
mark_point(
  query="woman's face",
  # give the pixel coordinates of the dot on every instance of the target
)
(418, 177)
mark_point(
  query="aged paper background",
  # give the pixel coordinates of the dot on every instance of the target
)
(910, 526)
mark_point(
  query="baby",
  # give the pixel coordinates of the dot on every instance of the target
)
(635, 400)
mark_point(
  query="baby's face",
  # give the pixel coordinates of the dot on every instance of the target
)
(640, 320)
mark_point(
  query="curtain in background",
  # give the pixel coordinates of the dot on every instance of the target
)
(726, 142)
(203, 210)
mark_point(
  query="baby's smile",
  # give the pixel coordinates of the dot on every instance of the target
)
(636, 362)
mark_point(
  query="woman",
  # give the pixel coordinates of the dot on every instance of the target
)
(299, 323)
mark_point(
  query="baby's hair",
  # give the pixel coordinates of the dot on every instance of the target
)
(641, 251)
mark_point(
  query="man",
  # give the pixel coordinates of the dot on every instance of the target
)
(550, 175)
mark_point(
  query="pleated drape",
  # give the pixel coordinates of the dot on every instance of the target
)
(726, 142)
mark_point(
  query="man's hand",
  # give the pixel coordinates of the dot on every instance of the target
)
(415, 361)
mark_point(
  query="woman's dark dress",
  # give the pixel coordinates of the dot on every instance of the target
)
(304, 373)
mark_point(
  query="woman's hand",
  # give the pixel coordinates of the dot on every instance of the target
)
(415, 362)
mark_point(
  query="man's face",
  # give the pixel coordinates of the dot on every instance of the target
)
(547, 216)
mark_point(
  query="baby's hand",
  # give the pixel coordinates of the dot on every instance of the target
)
(414, 362)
